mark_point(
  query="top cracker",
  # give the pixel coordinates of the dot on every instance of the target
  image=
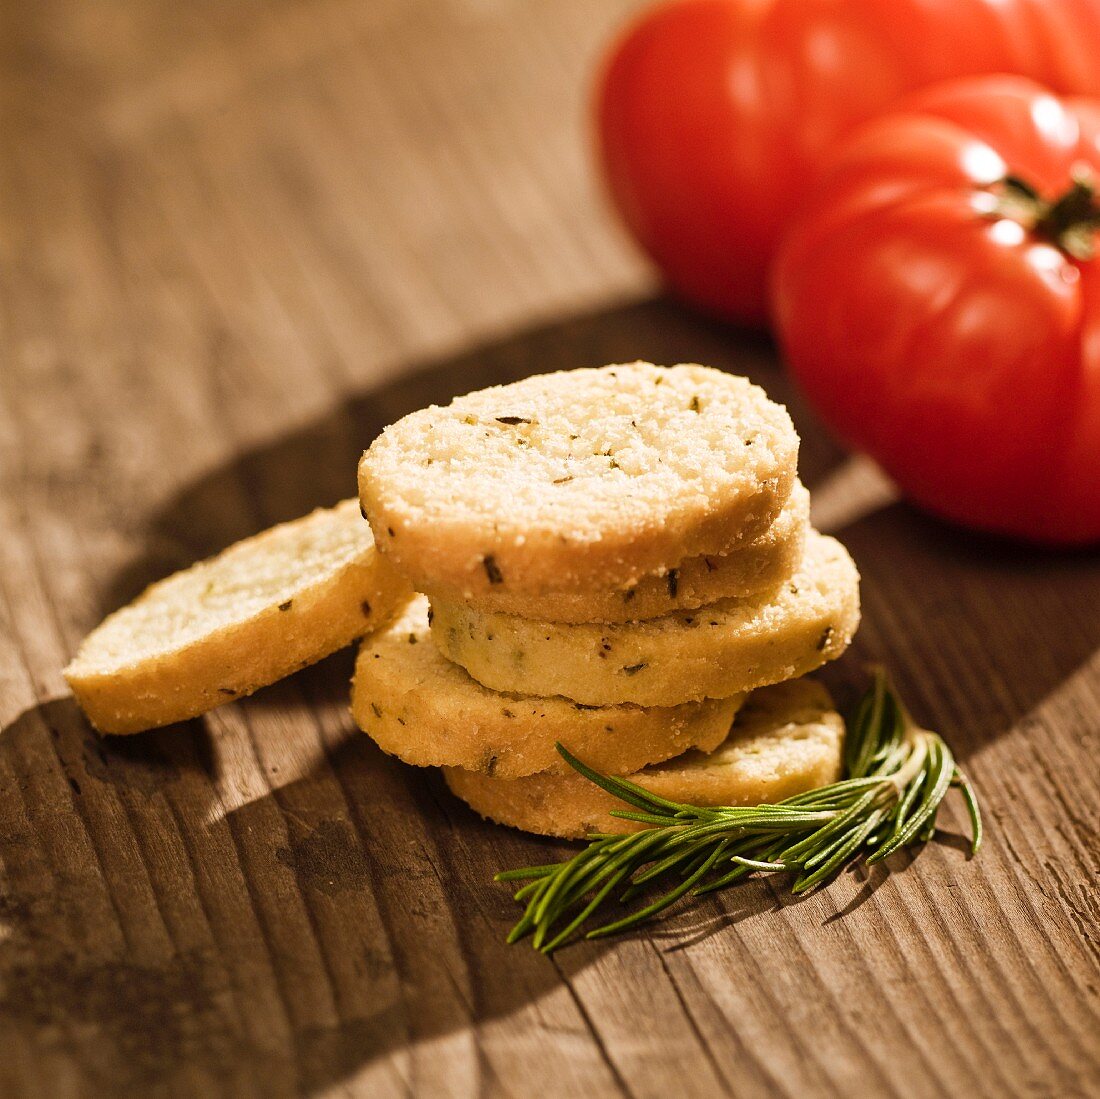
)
(582, 479)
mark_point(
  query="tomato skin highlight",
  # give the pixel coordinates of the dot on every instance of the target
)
(714, 116)
(675, 159)
(951, 341)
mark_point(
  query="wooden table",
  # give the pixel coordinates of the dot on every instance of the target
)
(236, 239)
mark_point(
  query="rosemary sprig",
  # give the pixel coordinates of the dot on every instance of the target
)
(897, 774)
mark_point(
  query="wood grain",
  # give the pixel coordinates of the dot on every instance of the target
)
(236, 239)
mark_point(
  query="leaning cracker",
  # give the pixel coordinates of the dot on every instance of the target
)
(731, 646)
(260, 610)
(786, 739)
(578, 480)
(756, 566)
(418, 706)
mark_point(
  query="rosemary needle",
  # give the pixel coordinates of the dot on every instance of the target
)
(897, 776)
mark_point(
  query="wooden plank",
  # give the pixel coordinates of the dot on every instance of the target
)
(236, 241)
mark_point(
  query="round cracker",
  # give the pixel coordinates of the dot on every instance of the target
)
(261, 609)
(731, 646)
(417, 705)
(759, 565)
(578, 480)
(786, 739)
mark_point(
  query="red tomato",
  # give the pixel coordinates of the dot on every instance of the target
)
(939, 320)
(714, 115)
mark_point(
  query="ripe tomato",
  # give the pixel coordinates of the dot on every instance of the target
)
(939, 304)
(714, 115)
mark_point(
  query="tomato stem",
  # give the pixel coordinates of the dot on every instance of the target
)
(1070, 222)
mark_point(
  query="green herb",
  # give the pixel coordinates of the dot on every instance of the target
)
(897, 777)
(491, 569)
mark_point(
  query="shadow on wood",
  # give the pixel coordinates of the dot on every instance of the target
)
(976, 632)
(79, 972)
(146, 934)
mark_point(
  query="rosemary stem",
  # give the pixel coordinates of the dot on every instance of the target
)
(898, 774)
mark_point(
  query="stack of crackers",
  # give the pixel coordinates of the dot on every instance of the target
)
(617, 561)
